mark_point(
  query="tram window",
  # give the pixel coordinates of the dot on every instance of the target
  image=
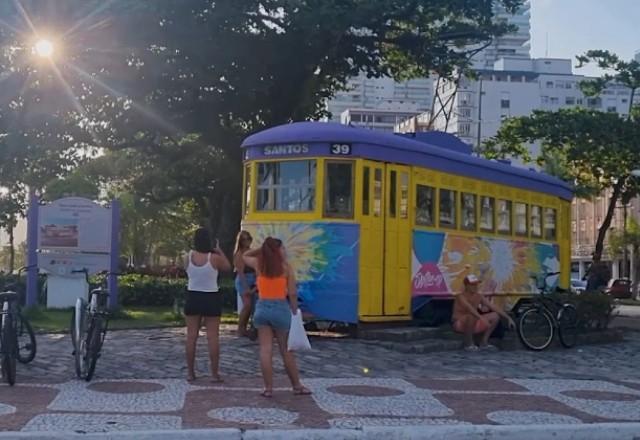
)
(549, 224)
(247, 189)
(521, 219)
(366, 190)
(448, 208)
(504, 216)
(487, 209)
(338, 195)
(425, 205)
(404, 195)
(287, 186)
(393, 185)
(536, 221)
(469, 211)
(377, 192)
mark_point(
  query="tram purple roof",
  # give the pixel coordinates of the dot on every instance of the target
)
(440, 152)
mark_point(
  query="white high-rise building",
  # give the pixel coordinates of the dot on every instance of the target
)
(514, 45)
(417, 95)
(516, 87)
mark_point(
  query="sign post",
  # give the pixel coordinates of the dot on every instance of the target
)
(32, 249)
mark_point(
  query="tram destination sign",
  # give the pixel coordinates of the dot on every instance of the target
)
(341, 149)
(285, 150)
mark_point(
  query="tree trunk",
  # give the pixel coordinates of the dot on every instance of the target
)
(606, 223)
(12, 249)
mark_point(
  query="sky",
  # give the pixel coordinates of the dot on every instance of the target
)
(575, 26)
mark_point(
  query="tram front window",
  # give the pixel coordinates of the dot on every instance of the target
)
(338, 197)
(287, 186)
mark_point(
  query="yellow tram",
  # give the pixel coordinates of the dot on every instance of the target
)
(377, 225)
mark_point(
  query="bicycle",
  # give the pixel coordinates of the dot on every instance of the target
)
(545, 316)
(26, 338)
(89, 323)
(8, 340)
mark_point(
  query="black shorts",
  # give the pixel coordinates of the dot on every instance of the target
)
(203, 304)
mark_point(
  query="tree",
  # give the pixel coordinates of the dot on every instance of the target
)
(176, 88)
(597, 150)
(629, 237)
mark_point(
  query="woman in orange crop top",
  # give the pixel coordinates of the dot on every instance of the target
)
(277, 301)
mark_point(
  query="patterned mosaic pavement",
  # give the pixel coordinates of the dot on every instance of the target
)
(169, 404)
(140, 385)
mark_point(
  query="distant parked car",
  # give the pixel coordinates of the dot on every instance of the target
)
(578, 286)
(620, 288)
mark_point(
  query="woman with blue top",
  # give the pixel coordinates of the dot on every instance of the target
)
(245, 281)
(204, 300)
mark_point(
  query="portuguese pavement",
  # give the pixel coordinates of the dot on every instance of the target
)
(140, 385)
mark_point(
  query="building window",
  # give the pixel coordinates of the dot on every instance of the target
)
(425, 205)
(505, 103)
(287, 186)
(448, 208)
(554, 100)
(536, 221)
(504, 217)
(583, 226)
(570, 100)
(545, 100)
(579, 101)
(464, 129)
(487, 209)
(521, 219)
(469, 212)
(612, 109)
(549, 224)
(549, 84)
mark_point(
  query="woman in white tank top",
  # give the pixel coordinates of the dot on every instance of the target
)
(204, 301)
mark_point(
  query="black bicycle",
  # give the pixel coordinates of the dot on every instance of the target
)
(27, 346)
(544, 316)
(8, 341)
(89, 323)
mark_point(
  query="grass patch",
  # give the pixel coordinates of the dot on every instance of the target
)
(56, 320)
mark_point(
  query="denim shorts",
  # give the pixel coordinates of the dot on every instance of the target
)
(251, 282)
(272, 313)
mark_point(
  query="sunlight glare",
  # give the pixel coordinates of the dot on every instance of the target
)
(44, 48)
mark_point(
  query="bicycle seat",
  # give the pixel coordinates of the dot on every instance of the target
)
(99, 292)
(8, 296)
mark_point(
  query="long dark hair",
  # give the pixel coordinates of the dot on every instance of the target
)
(270, 261)
(202, 241)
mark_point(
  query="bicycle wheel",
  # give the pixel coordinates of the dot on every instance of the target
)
(8, 350)
(79, 337)
(568, 325)
(26, 340)
(535, 329)
(94, 338)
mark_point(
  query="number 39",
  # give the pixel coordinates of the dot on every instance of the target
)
(341, 149)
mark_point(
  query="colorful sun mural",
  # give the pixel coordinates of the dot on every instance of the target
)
(441, 261)
(325, 259)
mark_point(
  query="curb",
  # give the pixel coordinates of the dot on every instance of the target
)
(596, 431)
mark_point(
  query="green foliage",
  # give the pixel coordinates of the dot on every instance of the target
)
(594, 309)
(629, 237)
(144, 290)
(172, 90)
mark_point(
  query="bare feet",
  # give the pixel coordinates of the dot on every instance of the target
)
(301, 391)
(191, 377)
(216, 379)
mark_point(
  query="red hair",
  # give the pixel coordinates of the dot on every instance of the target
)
(270, 261)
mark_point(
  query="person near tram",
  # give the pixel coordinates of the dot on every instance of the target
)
(245, 280)
(277, 301)
(204, 300)
(468, 320)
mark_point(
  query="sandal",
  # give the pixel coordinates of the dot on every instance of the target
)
(267, 394)
(302, 391)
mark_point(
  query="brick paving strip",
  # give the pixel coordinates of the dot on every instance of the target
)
(356, 387)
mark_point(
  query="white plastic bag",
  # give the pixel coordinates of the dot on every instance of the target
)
(298, 340)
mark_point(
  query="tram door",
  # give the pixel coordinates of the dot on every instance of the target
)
(385, 243)
(397, 242)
